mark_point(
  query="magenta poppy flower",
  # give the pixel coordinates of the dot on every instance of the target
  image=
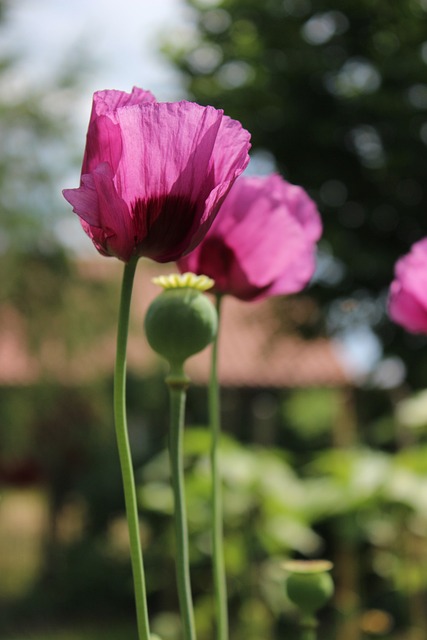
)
(154, 174)
(407, 303)
(263, 241)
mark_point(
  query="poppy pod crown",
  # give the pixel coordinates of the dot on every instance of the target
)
(181, 321)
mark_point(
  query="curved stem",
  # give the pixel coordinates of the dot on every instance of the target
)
(125, 453)
(177, 395)
(220, 584)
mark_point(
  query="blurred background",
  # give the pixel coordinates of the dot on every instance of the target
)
(325, 420)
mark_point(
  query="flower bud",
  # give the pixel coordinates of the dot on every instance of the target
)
(181, 321)
(309, 585)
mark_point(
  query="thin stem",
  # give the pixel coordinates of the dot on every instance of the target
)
(125, 453)
(220, 583)
(177, 393)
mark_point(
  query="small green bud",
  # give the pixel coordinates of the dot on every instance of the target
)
(309, 585)
(181, 321)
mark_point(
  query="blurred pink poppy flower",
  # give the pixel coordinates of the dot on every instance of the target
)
(407, 302)
(154, 174)
(263, 241)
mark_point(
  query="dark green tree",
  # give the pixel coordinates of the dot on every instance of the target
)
(336, 92)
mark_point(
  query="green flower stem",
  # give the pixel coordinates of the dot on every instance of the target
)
(125, 453)
(308, 628)
(220, 584)
(177, 393)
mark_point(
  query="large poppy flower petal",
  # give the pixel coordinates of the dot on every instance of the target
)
(170, 165)
(262, 242)
(98, 204)
(407, 302)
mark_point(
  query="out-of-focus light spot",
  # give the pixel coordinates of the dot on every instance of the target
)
(321, 27)
(234, 74)
(183, 38)
(329, 269)
(412, 412)
(376, 622)
(262, 163)
(357, 76)
(216, 21)
(423, 52)
(384, 562)
(297, 8)
(417, 96)
(359, 350)
(366, 141)
(245, 37)
(423, 132)
(204, 59)
(333, 193)
(389, 373)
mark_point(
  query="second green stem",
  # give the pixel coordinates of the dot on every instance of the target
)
(177, 408)
(220, 584)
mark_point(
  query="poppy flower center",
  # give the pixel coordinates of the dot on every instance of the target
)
(219, 262)
(163, 226)
(216, 258)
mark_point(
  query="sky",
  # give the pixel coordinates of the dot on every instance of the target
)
(121, 38)
(119, 44)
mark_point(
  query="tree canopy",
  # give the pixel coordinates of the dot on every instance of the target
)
(336, 91)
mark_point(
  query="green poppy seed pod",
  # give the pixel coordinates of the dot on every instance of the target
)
(309, 584)
(181, 321)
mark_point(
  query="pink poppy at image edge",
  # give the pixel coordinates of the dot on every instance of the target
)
(154, 174)
(263, 241)
(407, 303)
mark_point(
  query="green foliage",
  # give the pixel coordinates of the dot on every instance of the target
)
(363, 499)
(60, 310)
(370, 502)
(263, 518)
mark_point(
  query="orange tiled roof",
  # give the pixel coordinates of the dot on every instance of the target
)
(253, 352)
(16, 364)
